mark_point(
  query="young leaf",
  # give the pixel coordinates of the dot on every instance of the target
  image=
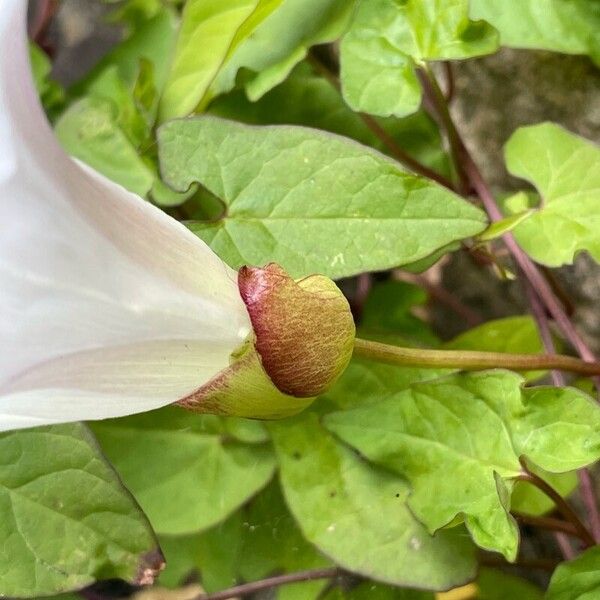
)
(281, 42)
(569, 26)
(310, 201)
(197, 462)
(67, 520)
(458, 440)
(357, 514)
(209, 33)
(565, 168)
(389, 39)
(578, 579)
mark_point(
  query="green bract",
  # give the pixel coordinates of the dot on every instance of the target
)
(565, 169)
(472, 429)
(310, 201)
(67, 521)
(388, 40)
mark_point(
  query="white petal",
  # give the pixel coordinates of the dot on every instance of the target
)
(93, 279)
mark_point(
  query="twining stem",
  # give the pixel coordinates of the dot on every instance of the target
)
(537, 283)
(549, 523)
(469, 360)
(264, 584)
(561, 504)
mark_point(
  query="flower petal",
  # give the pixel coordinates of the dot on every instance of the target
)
(93, 279)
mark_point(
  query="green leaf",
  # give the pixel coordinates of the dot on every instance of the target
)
(388, 310)
(565, 168)
(569, 26)
(89, 130)
(310, 201)
(357, 514)
(154, 42)
(513, 335)
(368, 590)
(458, 440)
(51, 93)
(578, 579)
(66, 519)
(388, 39)
(188, 472)
(210, 31)
(272, 543)
(214, 554)
(267, 57)
(306, 98)
(496, 585)
(499, 228)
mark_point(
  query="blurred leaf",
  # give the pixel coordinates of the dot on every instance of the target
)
(310, 201)
(267, 57)
(578, 579)
(67, 520)
(388, 39)
(89, 131)
(196, 462)
(51, 93)
(569, 26)
(496, 585)
(458, 440)
(357, 514)
(305, 98)
(388, 310)
(376, 591)
(565, 168)
(210, 31)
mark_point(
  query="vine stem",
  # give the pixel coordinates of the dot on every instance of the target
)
(468, 360)
(561, 504)
(537, 283)
(264, 584)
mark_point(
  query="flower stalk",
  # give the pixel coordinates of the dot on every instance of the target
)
(470, 360)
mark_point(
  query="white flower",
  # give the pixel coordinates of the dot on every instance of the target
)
(107, 306)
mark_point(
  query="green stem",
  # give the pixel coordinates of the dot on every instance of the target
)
(470, 361)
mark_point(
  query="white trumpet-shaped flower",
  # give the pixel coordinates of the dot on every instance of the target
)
(107, 306)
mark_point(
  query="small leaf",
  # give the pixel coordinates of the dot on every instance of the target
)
(569, 26)
(356, 514)
(565, 168)
(499, 228)
(578, 579)
(458, 440)
(210, 31)
(67, 520)
(310, 201)
(279, 43)
(193, 461)
(389, 39)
